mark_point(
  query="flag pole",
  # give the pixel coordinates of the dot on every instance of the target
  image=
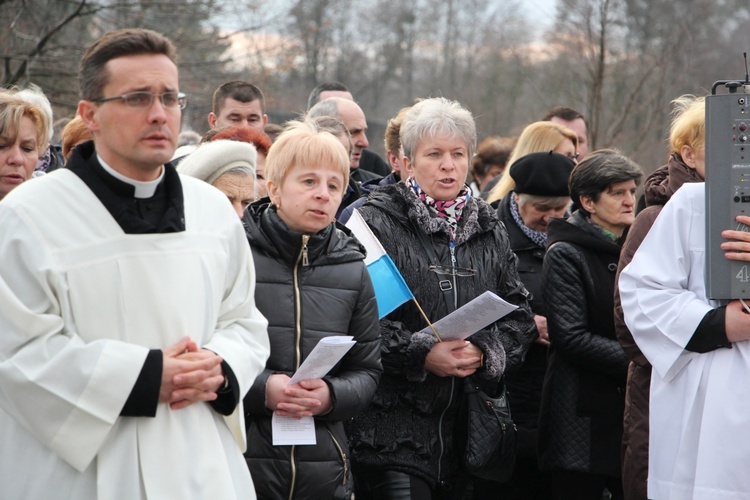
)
(426, 319)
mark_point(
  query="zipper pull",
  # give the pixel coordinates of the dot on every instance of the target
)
(305, 260)
(453, 253)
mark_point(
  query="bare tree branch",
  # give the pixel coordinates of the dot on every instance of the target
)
(39, 47)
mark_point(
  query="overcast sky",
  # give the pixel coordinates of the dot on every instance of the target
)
(542, 11)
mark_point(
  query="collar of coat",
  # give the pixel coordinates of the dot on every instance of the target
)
(267, 232)
(119, 197)
(400, 202)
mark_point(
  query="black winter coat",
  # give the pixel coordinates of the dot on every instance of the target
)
(330, 295)
(583, 397)
(409, 425)
(525, 384)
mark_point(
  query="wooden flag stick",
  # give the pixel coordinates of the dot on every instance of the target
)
(427, 320)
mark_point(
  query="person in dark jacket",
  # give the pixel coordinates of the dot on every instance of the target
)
(403, 444)
(580, 429)
(395, 157)
(540, 193)
(311, 283)
(686, 164)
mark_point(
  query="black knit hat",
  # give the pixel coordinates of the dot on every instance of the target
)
(542, 174)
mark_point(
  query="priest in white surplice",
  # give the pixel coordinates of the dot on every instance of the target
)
(699, 445)
(128, 327)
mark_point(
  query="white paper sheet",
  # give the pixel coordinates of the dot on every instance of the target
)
(472, 317)
(323, 357)
(290, 431)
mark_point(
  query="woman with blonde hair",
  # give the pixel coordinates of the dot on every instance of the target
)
(539, 137)
(311, 283)
(24, 137)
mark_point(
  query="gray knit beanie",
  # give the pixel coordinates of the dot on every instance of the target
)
(212, 159)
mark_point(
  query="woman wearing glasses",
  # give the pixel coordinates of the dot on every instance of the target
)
(450, 248)
(580, 424)
(539, 137)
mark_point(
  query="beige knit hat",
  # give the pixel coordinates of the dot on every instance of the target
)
(212, 159)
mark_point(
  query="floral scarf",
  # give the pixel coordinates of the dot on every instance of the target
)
(449, 210)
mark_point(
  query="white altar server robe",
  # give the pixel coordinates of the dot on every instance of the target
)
(699, 445)
(81, 304)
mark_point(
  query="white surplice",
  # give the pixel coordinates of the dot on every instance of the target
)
(699, 445)
(81, 304)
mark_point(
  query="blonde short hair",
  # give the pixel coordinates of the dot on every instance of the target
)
(688, 127)
(539, 137)
(303, 143)
(12, 111)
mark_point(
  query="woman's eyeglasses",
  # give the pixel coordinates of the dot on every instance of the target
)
(453, 271)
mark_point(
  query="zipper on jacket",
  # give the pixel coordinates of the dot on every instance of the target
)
(294, 473)
(305, 260)
(453, 274)
(302, 257)
(341, 452)
(440, 431)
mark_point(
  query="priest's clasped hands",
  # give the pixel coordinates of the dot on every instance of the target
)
(189, 375)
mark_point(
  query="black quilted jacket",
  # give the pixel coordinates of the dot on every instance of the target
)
(409, 425)
(583, 398)
(332, 295)
(525, 385)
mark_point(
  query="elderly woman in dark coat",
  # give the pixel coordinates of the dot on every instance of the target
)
(311, 284)
(403, 443)
(540, 194)
(580, 431)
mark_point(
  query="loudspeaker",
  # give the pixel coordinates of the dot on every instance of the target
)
(727, 186)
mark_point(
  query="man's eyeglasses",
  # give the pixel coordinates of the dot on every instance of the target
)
(453, 271)
(146, 99)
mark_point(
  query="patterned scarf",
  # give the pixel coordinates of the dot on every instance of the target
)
(449, 210)
(538, 237)
(43, 163)
(609, 234)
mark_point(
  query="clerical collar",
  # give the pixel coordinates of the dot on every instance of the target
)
(143, 189)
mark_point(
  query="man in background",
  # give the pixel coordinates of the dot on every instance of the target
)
(353, 118)
(368, 161)
(575, 121)
(238, 103)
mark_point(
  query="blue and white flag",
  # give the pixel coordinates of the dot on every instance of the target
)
(390, 288)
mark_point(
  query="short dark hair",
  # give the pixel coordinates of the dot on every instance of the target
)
(92, 77)
(564, 113)
(597, 172)
(238, 90)
(314, 97)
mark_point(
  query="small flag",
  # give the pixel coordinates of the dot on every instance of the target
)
(390, 288)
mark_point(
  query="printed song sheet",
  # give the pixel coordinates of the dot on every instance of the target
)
(325, 355)
(472, 317)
